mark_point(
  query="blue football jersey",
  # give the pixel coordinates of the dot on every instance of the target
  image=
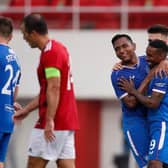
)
(9, 78)
(159, 84)
(137, 73)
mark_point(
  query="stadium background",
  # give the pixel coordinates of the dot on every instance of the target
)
(86, 28)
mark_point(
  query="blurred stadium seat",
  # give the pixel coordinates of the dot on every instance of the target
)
(160, 2)
(15, 16)
(91, 19)
(140, 20)
(136, 19)
(54, 19)
(100, 20)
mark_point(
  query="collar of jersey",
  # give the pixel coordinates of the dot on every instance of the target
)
(133, 66)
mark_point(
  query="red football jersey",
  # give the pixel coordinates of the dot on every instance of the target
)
(56, 55)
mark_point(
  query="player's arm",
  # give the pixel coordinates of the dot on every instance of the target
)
(23, 112)
(53, 76)
(117, 66)
(143, 87)
(16, 93)
(130, 101)
(151, 102)
(16, 105)
(32, 105)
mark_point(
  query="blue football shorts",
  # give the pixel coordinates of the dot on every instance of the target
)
(4, 142)
(158, 141)
(137, 136)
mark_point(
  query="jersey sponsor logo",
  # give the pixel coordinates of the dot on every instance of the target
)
(10, 58)
(160, 84)
(15, 58)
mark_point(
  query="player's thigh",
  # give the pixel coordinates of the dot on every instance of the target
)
(159, 141)
(62, 147)
(66, 163)
(36, 162)
(137, 137)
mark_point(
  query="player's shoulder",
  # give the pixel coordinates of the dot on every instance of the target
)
(142, 62)
(118, 73)
(53, 46)
(142, 57)
(4, 48)
(115, 72)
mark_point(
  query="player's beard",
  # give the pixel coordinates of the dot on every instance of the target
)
(33, 45)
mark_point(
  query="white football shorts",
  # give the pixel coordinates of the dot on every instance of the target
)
(61, 148)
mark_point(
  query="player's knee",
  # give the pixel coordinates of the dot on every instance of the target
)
(36, 162)
(66, 163)
(31, 162)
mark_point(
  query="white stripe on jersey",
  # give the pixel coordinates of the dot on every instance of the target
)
(132, 144)
(48, 46)
(159, 91)
(123, 95)
(162, 136)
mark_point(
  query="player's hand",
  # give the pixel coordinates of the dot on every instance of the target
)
(17, 106)
(20, 115)
(162, 68)
(49, 131)
(126, 85)
(117, 66)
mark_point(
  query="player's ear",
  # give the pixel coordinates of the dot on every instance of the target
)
(10, 37)
(134, 46)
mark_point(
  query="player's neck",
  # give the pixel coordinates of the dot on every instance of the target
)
(132, 62)
(43, 40)
(3, 41)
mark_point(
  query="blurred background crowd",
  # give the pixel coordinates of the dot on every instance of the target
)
(90, 14)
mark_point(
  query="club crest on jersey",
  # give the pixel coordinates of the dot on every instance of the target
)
(131, 77)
